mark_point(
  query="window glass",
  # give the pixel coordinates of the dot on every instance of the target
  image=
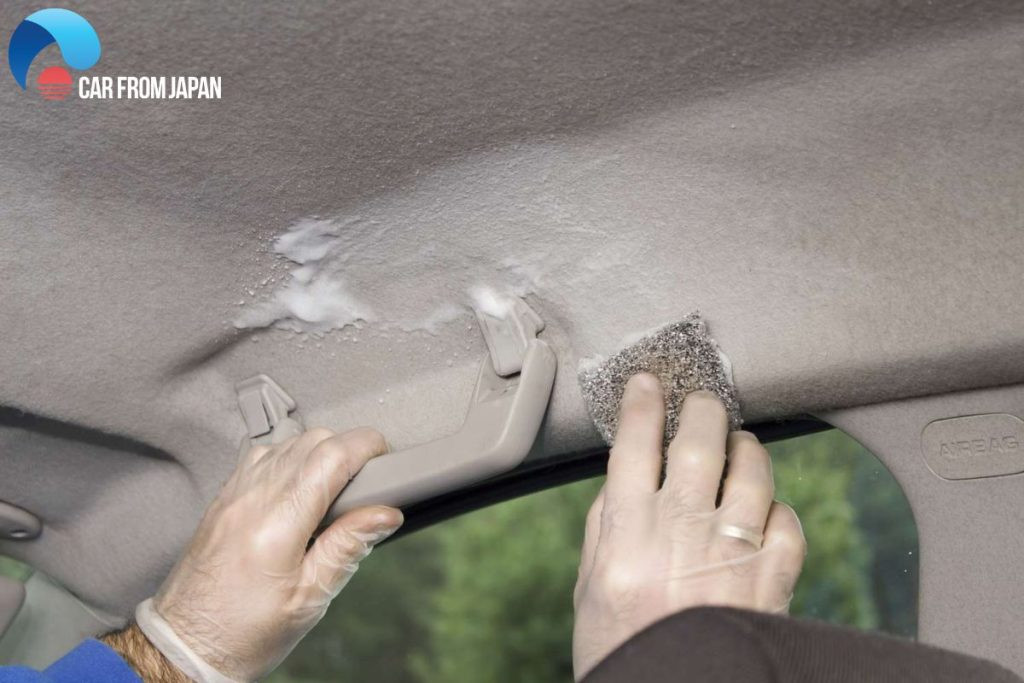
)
(13, 569)
(488, 596)
(861, 567)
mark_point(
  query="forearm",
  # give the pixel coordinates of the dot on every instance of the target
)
(146, 660)
(723, 645)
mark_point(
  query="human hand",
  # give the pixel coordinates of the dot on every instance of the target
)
(654, 549)
(248, 589)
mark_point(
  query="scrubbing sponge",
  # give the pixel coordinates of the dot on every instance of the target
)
(681, 355)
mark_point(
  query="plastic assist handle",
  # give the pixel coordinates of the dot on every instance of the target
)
(499, 431)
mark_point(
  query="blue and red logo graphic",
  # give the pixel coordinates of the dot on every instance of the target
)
(77, 39)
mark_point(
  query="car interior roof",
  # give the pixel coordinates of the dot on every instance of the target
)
(834, 185)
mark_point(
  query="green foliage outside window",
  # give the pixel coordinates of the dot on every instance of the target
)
(13, 569)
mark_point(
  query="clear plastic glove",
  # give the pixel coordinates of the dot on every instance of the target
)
(654, 549)
(248, 589)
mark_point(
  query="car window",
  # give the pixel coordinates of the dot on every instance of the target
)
(487, 596)
(862, 562)
(13, 569)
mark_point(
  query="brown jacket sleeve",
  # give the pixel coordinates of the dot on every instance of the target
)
(719, 645)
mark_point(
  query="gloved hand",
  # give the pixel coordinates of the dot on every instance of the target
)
(654, 549)
(247, 589)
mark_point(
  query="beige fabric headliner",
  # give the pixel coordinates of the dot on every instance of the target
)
(836, 185)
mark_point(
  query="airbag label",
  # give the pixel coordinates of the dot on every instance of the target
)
(974, 446)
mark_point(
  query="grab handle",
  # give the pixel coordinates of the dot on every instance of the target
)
(507, 407)
(500, 428)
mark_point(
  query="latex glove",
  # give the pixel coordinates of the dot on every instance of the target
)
(247, 589)
(654, 549)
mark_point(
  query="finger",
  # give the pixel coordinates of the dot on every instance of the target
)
(283, 461)
(285, 430)
(696, 455)
(749, 489)
(289, 455)
(248, 452)
(783, 557)
(330, 465)
(592, 530)
(336, 554)
(634, 464)
(591, 533)
(308, 440)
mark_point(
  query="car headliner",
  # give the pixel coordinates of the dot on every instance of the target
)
(835, 185)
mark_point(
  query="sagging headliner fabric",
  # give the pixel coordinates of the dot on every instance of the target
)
(835, 185)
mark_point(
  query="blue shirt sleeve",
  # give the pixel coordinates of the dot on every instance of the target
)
(90, 662)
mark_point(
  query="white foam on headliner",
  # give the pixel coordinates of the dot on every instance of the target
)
(403, 263)
(328, 253)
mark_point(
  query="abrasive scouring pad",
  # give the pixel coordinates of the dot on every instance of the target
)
(681, 355)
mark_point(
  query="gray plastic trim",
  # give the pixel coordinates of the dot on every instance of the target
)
(508, 337)
(974, 446)
(17, 524)
(263, 404)
(12, 595)
(50, 622)
(971, 530)
(500, 428)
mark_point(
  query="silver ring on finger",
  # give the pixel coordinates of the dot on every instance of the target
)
(754, 538)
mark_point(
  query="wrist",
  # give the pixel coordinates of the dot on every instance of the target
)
(147, 661)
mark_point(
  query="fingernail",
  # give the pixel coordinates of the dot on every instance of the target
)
(389, 528)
